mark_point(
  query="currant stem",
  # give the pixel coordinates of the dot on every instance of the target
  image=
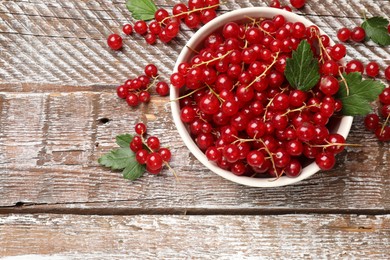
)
(334, 144)
(152, 83)
(212, 60)
(172, 170)
(187, 95)
(265, 71)
(385, 123)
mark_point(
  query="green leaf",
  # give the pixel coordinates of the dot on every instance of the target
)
(117, 159)
(302, 68)
(361, 94)
(133, 171)
(141, 9)
(124, 140)
(376, 30)
(123, 159)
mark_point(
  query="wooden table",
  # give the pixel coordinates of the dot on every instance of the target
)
(59, 114)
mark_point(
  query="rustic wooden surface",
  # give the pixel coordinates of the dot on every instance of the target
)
(59, 113)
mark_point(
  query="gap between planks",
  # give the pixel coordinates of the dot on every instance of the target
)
(89, 209)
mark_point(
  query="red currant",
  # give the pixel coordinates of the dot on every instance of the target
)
(384, 97)
(151, 70)
(372, 69)
(140, 128)
(127, 29)
(297, 3)
(325, 161)
(154, 161)
(358, 34)
(165, 154)
(140, 27)
(387, 73)
(344, 34)
(371, 122)
(132, 99)
(114, 41)
(162, 88)
(153, 143)
(354, 66)
(338, 51)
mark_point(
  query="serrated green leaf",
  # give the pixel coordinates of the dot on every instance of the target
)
(117, 159)
(133, 171)
(302, 68)
(377, 21)
(124, 140)
(376, 30)
(141, 9)
(361, 93)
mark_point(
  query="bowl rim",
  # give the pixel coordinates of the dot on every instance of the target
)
(197, 38)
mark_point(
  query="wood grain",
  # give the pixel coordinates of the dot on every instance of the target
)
(57, 92)
(196, 237)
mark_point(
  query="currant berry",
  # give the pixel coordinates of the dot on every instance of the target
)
(136, 144)
(330, 67)
(140, 128)
(329, 85)
(358, 34)
(255, 158)
(179, 10)
(144, 96)
(338, 51)
(385, 111)
(344, 34)
(141, 156)
(127, 29)
(306, 132)
(354, 66)
(325, 161)
(161, 14)
(132, 99)
(297, 3)
(336, 143)
(165, 154)
(204, 141)
(383, 135)
(293, 169)
(114, 41)
(231, 153)
(162, 88)
(140, 27)
(387, 73)
(372, 69)
(238, 168)
(213, 154)
(177, 80)
(122, 91)
(153, 143)
(154, 161)
(371, 122)
(150, 38)
(192, 20)
(384, 97)
(151, 70)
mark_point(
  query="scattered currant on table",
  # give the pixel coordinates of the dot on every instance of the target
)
(136, 91)
(114, 41)
(136, 154)
(380, 124)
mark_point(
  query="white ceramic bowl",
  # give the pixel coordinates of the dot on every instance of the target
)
(343, 127)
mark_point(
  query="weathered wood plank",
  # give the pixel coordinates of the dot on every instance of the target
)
(199, 237)
(50, 143)
(57, 79)
(67, 45)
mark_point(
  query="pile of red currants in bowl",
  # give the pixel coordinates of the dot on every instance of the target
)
(241, 111)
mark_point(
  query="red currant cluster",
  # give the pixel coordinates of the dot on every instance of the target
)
(373, 121)
(148, 151)
(295, 3)
(165, 26)
(357, 34)
(136, 90)
(242, 112)
(372, 68)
